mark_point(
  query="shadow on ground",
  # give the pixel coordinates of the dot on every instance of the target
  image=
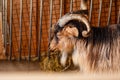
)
(19, 66)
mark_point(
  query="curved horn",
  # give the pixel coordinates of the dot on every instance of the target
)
(68, 17)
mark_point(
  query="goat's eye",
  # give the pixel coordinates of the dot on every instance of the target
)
(51, 37)
(59, 35)
(70, 26)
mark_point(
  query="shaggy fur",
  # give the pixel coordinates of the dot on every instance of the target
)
(98, 52)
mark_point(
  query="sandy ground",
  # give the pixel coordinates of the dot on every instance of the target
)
(31, 71)
(55, 76)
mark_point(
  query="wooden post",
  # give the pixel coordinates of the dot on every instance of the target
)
(2, 50)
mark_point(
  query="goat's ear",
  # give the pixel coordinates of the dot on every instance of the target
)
(73, 31)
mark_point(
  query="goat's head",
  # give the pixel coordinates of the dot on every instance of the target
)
(69, 28)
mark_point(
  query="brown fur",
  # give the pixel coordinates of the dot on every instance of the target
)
(99, 52)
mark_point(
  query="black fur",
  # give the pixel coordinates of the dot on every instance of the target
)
(99, 35)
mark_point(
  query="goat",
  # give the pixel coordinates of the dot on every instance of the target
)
(93, 49)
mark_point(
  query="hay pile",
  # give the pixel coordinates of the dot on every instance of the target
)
(52, 63)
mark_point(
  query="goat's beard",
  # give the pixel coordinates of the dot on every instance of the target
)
(63, 59)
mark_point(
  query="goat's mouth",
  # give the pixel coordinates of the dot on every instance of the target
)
(54, 50)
